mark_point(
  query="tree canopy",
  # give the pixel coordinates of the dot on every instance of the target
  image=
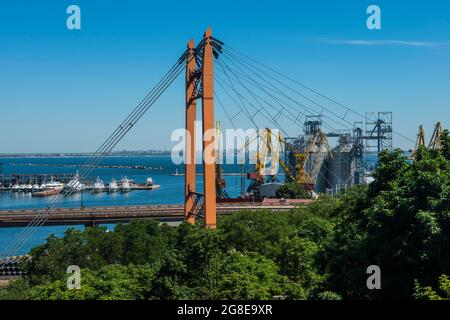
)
(400, 222)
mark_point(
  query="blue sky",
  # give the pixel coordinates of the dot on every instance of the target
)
(64, 91)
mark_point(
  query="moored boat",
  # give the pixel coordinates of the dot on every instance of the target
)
(75, 183)
(53, 185)
(126, 185)
(98, 186)
(113, 186)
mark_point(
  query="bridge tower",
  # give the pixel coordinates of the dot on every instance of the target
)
(203, 76)
(191, 116)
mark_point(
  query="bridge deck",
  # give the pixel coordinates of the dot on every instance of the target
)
(115, 214)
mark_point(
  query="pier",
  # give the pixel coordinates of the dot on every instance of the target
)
(7, 183)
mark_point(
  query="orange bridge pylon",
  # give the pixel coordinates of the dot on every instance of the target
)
(200, 84)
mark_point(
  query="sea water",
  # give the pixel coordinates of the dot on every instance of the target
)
(160, 168)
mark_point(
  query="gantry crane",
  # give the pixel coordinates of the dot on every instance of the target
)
(435, 141)
(259, 175)
(307, 162)
(420, 141)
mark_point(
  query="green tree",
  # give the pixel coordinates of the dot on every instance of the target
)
(297, 261)
(113, 282)
(292, 190)
(245, 276)
(16, 290)
(138, 242)
(260, 232)
(428, 293)
(400, 224)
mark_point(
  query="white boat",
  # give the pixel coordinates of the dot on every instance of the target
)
(126, 185)
(75, 183)
(98, 186)
(36, 187)
(15, 188)
(52, 185)
(113, 186)
(28, 188)
(22, 187)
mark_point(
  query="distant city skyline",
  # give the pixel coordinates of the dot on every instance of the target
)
(66, 90)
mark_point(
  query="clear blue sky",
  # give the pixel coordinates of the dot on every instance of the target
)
(64, 90)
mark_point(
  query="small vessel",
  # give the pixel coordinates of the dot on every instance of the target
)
(126, 185)
(53, 185)
(113, 186)
(22, 187)
(15, 188)
(98, 186)
(36, 187)
(28, 188)
(75, 183)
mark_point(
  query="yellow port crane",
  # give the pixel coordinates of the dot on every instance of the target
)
(435, 141)
(313, 155)
(307, 165)
(259, 175)
(420, 141)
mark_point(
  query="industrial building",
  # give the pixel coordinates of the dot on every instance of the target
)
(340, 159)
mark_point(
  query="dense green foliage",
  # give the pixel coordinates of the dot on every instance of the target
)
(428, 293)
(250, 256)
(292, 190)
(400, 222)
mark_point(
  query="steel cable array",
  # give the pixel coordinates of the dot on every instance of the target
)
(102, 151)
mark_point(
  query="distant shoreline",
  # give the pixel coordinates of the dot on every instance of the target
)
(83, 155)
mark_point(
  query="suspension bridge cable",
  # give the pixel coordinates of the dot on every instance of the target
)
(348, 109)
(332, 129)
(277, 124)
(291, 79)
(243, 98)
(38, 221)
(289, 87)
(242, 104)
(260, 86)
(278, 112)
(279, 91)
(104, 149)
(41, 219)
(281, 129)
(250, 92)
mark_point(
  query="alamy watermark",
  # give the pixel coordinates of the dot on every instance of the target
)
(73, 21)
(232, 146)
(374, 20)
(74, 278)
(374, 281)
